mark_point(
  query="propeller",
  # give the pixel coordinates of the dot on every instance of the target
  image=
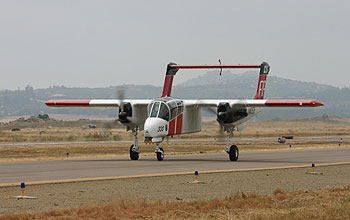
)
(220, 137)
(125, 109)
(120, 92)
(112, 124)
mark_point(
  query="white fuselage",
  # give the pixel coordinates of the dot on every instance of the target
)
(173, 117)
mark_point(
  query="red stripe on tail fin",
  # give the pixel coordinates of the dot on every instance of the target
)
(168, 84)
(169, 77)
(264, 70)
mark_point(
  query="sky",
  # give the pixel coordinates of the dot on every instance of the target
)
(102, 43)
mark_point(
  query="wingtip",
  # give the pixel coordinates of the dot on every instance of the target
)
(49, 103)
(317, 103)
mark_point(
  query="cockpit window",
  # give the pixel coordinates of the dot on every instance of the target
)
(155, 108)
(164, 112)
(173, 109)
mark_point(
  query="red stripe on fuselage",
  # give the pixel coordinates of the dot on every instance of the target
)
(179, 124)
(168, 83)
(172, 127)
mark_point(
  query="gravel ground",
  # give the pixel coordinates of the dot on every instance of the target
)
(66, 195)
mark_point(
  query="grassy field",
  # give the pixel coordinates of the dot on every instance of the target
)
(53, 131)
(55, 138)
(301, 204)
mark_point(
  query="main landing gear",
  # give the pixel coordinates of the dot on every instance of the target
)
(233, 150)
(134, 148)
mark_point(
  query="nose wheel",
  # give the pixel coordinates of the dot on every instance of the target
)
(159, 152)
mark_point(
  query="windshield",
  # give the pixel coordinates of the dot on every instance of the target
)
(155, 108)
(164, 112)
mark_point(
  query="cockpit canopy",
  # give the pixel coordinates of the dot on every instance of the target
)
(165, 108)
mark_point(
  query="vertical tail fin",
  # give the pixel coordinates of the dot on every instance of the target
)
(264, 70)
(169, 77)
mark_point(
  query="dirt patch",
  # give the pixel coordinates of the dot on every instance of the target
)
(299, 204)
(171, 188)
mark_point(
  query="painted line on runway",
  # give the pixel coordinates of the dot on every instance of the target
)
(162, 174)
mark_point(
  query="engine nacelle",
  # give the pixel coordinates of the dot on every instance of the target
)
(125, 112)
(227, 115)
(224, 113)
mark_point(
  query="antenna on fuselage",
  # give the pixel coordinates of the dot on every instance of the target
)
(220, 68)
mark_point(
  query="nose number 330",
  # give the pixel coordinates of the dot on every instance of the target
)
(160, 128)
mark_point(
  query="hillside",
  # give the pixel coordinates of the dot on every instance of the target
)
(210, 85)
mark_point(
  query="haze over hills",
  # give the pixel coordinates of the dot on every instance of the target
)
(210, 85)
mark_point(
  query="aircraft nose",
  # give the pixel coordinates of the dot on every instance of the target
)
(154, 127)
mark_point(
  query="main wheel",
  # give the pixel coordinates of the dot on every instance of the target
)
(234, 153)
(160, 154)
(133, 155)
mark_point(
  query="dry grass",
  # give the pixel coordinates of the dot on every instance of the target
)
(39, 132)
(64, 134)
(53, 131)
(300, 128)
(318, 204)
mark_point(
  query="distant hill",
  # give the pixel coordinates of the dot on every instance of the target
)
(210, 85)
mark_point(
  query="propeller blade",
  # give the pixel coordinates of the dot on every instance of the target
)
(221, 134)
(112, 124)
(210, 111)
(120, 93)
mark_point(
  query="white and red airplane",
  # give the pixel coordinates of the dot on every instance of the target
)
(168, 116)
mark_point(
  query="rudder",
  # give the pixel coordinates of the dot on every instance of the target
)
(264, 71)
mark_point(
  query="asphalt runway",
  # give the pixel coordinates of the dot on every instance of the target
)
(46, 171)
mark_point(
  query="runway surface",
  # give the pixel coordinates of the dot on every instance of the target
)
(92, 168)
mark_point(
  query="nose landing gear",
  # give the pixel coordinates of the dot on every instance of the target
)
(159, 152)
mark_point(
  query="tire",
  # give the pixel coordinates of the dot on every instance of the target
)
(234, 153)
(133, 155)
(160, 155)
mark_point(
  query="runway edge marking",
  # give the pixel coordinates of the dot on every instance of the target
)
(160, 174)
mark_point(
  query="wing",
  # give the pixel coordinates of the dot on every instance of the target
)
(243, 110)
(96, 102)
(255, 102)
